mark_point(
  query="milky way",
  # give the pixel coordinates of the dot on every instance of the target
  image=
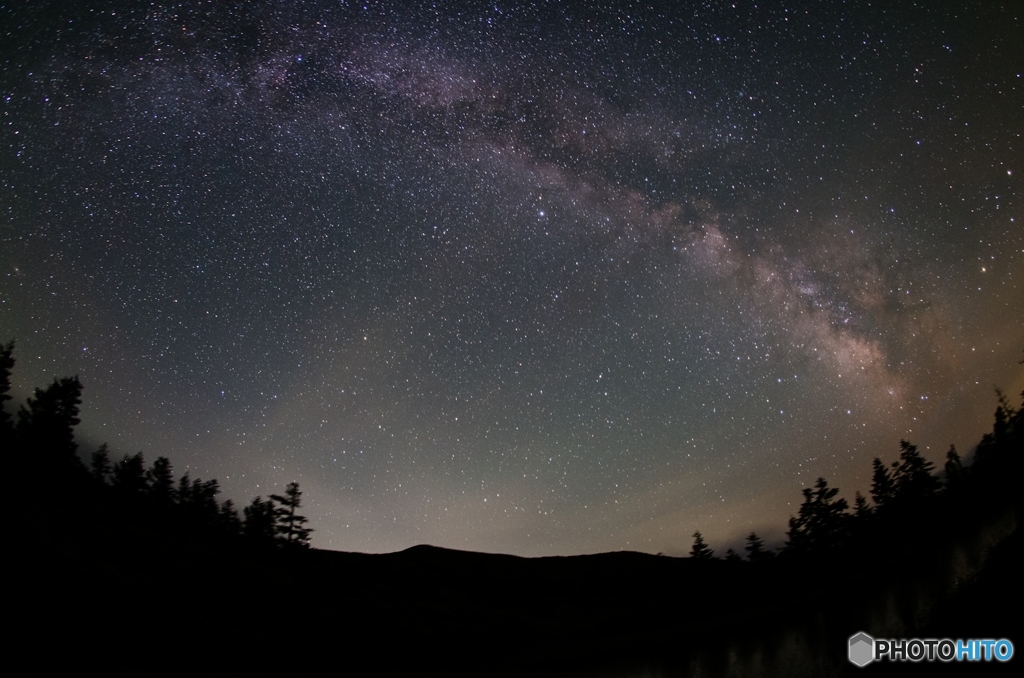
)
(517, 278)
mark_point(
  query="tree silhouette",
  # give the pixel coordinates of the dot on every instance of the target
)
(130, 474)
(954, 468)
(183, 494)
(700, 550)
(1005, 428)
(756, 552)
(860, 506)
(820, 524)
(199, 499)
(881, 484)
(290, 525)
(206, 503)
(160, 478)
(100, 467)
(6, 422)
(1004, 413)
(46, 423)
(913, 479)
(43, 436)
(260, 520)
(228, 519)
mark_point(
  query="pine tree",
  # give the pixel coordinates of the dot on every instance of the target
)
(46, 424)
(198, 498)
(756, 552)
(860, 506)
(700, 550)
(820, 524)
(1000, 449)
(6, 422)
(204, 499)
(881, 484)
(290, 525)
(228, 518)
(160, 478)
(913, 479)
(954, 467)
(100, 467)
(130, 474)
(1004, 413)
(259, 524)
(183, 495)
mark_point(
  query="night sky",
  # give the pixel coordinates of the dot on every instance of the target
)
(517, 277)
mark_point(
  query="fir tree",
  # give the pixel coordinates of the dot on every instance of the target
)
(259, 524)
(860, 506)
(290, 525)
(160, 478)
(130, 474)
(204, 499)
(1004, 413)
(820, 524)
(6, 422)
(198, 498)
(954, 467)
(700, 550)
(913, 479)
(100, 467)
(756, 552)
(228, 518)
(183, 495)
(881, 484)
(46, 424)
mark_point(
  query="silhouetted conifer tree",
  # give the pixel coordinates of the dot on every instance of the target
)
(1003, 431)
(160, 478)
(700, 550)
(204, 499)
(260, 521)
(732, 555)
(954, 468)
(913, 479)
(290, 525)
(1015, 431)
(1004, 413)
(46, 424)
(860, 506)
(130, 474)
(820, 524)
(228, 518)
(199, 499)
(100, 467)
(881, 484)
(756, 552)
(183, 494)
(6, 421)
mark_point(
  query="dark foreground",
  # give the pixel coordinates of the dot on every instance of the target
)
(92, 587)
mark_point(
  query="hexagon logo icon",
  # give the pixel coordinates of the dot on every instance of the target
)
(862, 649)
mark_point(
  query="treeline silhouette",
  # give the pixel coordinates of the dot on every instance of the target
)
(128, 569)
(39, 444)
(906, 494)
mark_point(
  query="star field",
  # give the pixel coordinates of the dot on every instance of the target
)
(517, 277)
